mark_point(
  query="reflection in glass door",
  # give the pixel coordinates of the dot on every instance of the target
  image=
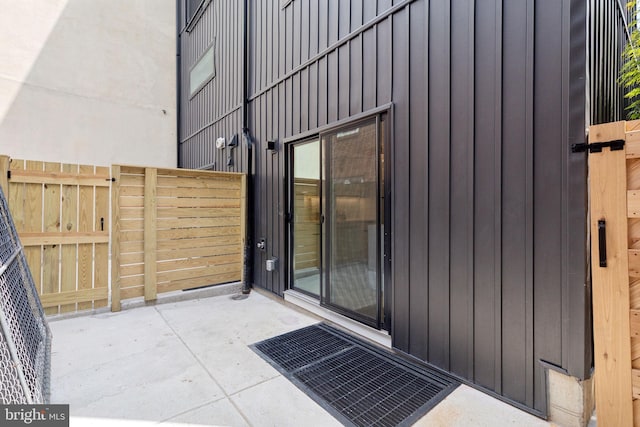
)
(305, 221)
(352, 198)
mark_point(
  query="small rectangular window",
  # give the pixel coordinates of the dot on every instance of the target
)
(202, 72)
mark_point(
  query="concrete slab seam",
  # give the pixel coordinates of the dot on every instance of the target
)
(244, 417)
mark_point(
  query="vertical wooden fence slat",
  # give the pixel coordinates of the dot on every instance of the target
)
(150, 236)
(85, 224)
(69, 266)
(51, 223)
(115, 239)
(612, 346)
(32, 211)
(4, 169)
(17, 198)
(101, 263)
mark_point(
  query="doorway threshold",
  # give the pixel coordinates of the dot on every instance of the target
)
(313, 305)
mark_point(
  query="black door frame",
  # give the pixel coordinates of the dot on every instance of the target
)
(384, 275)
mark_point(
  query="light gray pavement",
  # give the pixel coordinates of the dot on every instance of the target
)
(188, 363)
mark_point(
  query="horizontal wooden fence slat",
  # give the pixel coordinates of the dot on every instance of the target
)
(138, 191)
(181, 264)
(71, 297)
(131, 213)
(633, 145)
(187, 253)
(53, 238)
(230, 183)
(198, 282)
(188, 202)
(201, 242)
(168, 276)
(164, 212)
(128, 247)
(166, 255)
(59, 178)
(633, 204)
(131, 282)
(634, 262)
(195, 175)
(132, 292)
(183, 233)
(635, 381)
(174, 223)
(634, 321)
(212, 261)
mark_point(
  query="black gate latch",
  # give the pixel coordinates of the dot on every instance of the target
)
(597, 147)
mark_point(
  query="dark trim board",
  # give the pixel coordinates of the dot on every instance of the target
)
(387, 108)
(489, 269)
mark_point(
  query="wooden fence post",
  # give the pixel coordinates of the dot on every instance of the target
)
(150, 236)
(115, 239)
(4, 170)
(610, 278)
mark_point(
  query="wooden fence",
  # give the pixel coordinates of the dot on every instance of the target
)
(61, 212)
(307, 223)
(615, 242)
(175, 229)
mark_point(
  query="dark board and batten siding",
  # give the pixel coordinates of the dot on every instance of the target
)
(489, 268)
(215, 110)
(608, 22)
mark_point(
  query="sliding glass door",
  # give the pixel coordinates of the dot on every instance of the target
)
(351, 203)
(337, 211)
(305, 217)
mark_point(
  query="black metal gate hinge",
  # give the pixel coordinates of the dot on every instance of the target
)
(596, 147)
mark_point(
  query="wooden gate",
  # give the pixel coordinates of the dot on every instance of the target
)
(61, 212)
(615, 256)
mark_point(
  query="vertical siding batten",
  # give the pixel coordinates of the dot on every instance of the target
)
(485, 122)
(419, 140)
(438, 214)
(461, 222)
(498, 201)
(547, 192)
(514, 207)
(577, 343)
(529, 200)
(401, 321)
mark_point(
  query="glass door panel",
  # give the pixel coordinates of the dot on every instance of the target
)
(305, 194)
(352, 206)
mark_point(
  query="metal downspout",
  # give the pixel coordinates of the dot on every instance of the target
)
(246, 136)
(178, 81)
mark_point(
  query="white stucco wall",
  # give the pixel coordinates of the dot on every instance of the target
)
(88, 81)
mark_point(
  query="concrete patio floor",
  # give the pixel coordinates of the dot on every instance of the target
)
(188, 363)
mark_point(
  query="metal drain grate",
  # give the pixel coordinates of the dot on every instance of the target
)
(358, 383)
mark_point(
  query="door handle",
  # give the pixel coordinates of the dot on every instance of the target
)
(602, 242)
